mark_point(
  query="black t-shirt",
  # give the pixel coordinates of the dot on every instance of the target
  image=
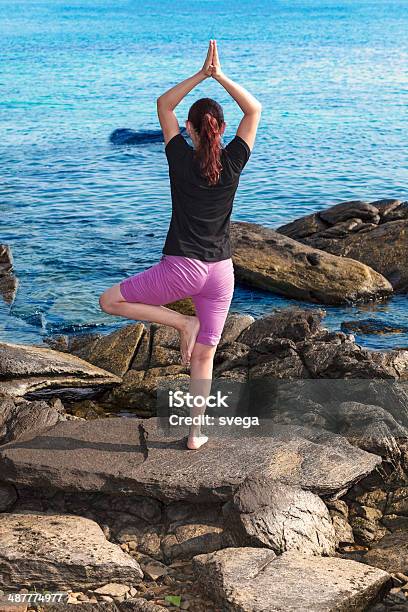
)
(200, 219)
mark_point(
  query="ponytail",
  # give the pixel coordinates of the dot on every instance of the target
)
(207, 118)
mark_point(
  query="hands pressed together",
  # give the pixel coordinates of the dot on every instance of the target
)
(212, 66)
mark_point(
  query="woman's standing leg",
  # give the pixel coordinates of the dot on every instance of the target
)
(212, 306)
(201, 368)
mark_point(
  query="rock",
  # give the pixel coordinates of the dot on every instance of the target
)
(381, 243)
(113, 589)
(372, 326)
(24, 417)
(255, 580)
(234, 326)
(373, 429)
(115, 351)
(8, 496)
(280, 517)
(116, 458)
(141, 359)
(137, 604)
(32, 369)
(60, 552)
(295, 324)
(190, 540)
(266, 259)
(184, 306)
(390, 553)
(339, 513)
(154, 569)
(8, 282)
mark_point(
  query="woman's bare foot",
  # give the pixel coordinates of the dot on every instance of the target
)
(195, 442)
(188, 336)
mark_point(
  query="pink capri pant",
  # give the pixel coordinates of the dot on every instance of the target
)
(209, 284)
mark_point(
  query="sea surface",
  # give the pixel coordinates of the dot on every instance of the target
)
(81, 213)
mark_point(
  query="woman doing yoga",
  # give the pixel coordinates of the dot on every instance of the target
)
(196, 259)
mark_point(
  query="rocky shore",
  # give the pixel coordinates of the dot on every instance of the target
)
(307, 514)
(307, 511)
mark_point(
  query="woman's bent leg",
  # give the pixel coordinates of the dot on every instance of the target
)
(113, 302)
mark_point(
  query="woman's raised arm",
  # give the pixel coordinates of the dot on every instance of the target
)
(168, 101)
(249, 105)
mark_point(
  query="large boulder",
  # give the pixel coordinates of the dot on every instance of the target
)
(113, 352)
(255, 580)
(20, 417)
(280, 517)
(127, 455)
(32, 369)
(374, 233)
(60, 552)
(263, 258)
(8, 282)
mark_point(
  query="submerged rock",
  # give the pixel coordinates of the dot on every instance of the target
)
(266, 259)
(255, 580)
(8, 282)
(374, 233)
(127, 136)
(51, 551)
(32, 369)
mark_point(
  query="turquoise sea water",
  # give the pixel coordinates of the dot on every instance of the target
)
(80, 214)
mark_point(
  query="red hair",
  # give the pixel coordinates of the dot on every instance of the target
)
(207, 118)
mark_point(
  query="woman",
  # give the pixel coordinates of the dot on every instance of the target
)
(196, 258)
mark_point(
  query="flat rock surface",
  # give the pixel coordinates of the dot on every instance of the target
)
(269, 260)
(60, 552)
(110, 455)
(26, 369)
(255, 580)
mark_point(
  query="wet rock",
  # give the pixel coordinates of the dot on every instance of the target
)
(379, 239)
(36, 370)
(18, 419)
(114, 459)
(270, 260)
(372, 326)
(113, 352)
(255, 580)
(280, 517)
(60, 552)
(8, 282)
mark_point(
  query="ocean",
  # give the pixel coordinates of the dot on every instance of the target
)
(81, 213)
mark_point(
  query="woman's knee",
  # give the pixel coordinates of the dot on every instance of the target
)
(110, 299)
(203, 353)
